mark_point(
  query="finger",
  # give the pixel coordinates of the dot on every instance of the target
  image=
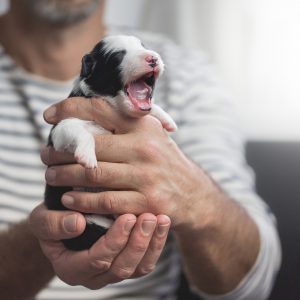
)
(106, 175)
(79, 267)
(90, 109)
(104, 251)
(108, 148)
(155, 248)
(110, 202)
(127, 261)
(55, 225)
(51, 157)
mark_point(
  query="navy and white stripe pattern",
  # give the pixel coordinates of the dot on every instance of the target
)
(190, 93)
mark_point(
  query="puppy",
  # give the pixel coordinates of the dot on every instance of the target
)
(123, 72)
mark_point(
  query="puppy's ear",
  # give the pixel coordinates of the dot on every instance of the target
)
(87, 65)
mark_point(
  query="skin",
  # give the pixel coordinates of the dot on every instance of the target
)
(218, 241)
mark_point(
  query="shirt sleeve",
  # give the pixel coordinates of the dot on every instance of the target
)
(209, 134)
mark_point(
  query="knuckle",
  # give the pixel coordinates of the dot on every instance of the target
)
(100, 110)
(144, 270)
(122, 273)
(51, 226)
(98, 104)
(68, 106)
(94, 175)
(155, 195)
(86, 203)
(92, 203)
(153, 149)
(109, 202)
(147, 148)
(114, 246)
(158, 247)
(139, 149)
(101, 265)
(139, 248)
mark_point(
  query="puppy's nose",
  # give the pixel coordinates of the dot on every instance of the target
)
(152, 60)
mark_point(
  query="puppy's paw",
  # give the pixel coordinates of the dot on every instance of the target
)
(166, 120)
(85, 155)
(170, 125)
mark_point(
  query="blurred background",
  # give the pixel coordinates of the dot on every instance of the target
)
(255, 47)
(254, 44)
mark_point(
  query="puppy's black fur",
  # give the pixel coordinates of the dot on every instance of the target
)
(101, 72)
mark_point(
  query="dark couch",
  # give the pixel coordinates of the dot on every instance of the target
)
(277, 168)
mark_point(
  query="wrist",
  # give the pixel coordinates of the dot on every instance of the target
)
(202, 208)
(211, 238)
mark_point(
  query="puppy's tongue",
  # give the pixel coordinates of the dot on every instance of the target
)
(140, 95)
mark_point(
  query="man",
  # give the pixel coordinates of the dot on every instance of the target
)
(222, 232)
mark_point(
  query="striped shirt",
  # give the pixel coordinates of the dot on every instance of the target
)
(190, 92)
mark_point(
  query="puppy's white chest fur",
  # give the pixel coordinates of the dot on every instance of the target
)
(77, 137)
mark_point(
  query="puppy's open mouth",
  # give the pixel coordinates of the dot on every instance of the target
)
(140, 91)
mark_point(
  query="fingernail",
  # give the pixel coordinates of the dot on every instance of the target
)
(148, 227)
(129, 225)
(70, 223)
(50, 113)
(163, 229)
(50, 175)
(68, 200)
(45, 155)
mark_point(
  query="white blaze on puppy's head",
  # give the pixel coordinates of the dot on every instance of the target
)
(122, 71)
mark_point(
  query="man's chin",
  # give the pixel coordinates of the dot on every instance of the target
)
(62, 12)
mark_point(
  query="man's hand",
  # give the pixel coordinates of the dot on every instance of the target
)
(147, 173)
(140, 163)
(129, 249)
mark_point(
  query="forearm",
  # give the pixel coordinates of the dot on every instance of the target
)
(24, 269)
(220, 245)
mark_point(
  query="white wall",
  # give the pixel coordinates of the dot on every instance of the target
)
(255, 45)
(273, 64)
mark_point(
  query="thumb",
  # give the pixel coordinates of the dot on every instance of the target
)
(55, 225)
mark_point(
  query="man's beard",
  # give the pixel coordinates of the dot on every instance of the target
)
(62, 12)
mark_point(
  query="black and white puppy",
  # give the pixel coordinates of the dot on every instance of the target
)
(123, 72)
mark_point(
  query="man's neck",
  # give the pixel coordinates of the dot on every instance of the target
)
(45, 50)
